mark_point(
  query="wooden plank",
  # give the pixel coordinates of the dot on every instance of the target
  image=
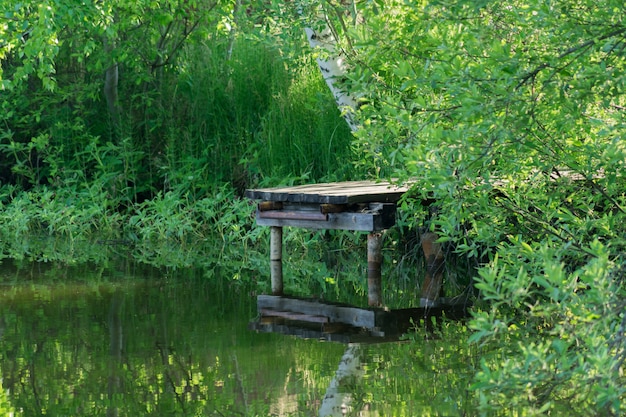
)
(347, 192)
(353, 316)
(290, 315)
(333, 208)
(338, 221)
(350, 192)
(270, 205)
(293, 215)
(382, 218)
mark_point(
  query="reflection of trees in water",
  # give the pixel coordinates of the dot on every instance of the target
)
(115, 351)
(174, 349)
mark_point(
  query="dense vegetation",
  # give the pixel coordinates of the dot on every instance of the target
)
(510, 115)
(197, 110)
(143, 122)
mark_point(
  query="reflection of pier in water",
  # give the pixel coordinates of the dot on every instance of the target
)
(343, 323)
(361, 206)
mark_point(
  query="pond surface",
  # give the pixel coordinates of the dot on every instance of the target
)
(123, 340)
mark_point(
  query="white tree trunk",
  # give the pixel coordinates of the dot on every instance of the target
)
(334, 69)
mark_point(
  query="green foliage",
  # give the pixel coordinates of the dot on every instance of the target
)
(561, 329)
(175, 230)
(203, 111)
(510, 117)
(65, 213)
(159, 96)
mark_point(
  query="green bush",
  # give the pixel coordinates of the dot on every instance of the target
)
(559, 331)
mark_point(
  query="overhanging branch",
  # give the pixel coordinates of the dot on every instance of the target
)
(574, 49)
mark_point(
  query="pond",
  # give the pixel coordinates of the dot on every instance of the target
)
(128, 340)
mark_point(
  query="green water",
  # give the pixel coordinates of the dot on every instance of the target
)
(122, 340)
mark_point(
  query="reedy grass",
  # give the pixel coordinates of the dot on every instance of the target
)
(255, 118)
(303, 135)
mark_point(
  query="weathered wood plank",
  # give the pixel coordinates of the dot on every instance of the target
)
(290, 315)
(270, 205)
(292, 215)
(347, 192)
(340, 314)
(333, 208)
(336, 221)
(384, 217)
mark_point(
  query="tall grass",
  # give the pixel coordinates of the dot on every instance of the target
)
(303, 135)
(190, 141)
(257, 117)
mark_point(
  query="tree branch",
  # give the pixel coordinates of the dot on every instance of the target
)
(585, 45)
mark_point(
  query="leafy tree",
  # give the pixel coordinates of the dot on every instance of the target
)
(65, 57)
(510, 115)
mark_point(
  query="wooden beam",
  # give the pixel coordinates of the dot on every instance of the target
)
(290, 315)
(333, 208)
(276, 260)
(270, 205)
(295, 215)
(381, 218)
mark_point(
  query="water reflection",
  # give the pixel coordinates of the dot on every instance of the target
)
(338, 398)
(147, 343)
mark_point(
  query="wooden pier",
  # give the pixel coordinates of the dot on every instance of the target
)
(360, 206)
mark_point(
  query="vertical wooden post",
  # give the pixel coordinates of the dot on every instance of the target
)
(374, 261)
(435, 263)
(276, 259)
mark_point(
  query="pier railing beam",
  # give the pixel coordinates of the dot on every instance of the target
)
(374, 261)
(276, 259)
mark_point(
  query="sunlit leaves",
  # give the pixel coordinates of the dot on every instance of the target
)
(32, 33)
(561, 349)
(510, 116)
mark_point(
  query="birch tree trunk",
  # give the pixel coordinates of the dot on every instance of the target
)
(334, 68)
(233, 30)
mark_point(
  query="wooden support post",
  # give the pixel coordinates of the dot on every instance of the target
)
(276, 259)
(374, 261)
(435, 263)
